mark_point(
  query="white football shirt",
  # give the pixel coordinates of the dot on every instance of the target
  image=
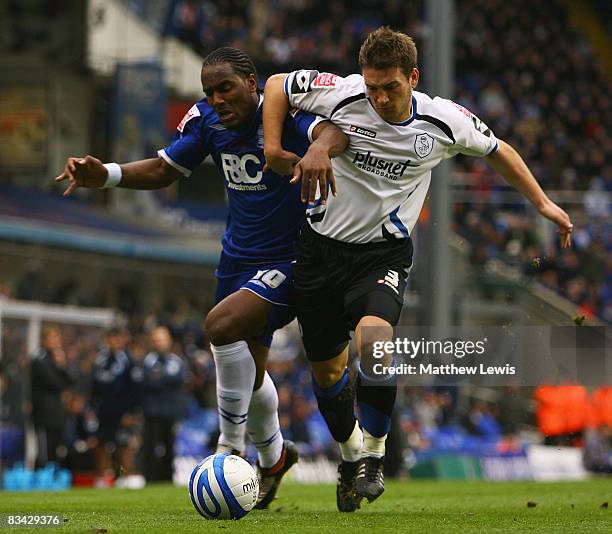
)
(383, 176)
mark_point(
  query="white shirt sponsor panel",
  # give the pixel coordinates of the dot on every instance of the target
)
(383, 176)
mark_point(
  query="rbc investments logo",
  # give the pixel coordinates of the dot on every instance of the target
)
(243, 173)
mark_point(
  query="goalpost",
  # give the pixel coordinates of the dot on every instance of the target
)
(35, 313)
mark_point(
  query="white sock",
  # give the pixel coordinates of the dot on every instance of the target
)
(373, 446)
(235, 378)
(351, 448)
(263, 426)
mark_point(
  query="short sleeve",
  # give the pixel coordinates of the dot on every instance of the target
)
(189, 146)
(304, 123)
(472, 136)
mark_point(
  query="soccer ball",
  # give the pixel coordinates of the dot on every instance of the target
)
(223, 486)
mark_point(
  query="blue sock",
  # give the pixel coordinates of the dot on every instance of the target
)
(376, 398)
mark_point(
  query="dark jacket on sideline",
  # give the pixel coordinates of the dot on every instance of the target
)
(48, 383)
(162, 385)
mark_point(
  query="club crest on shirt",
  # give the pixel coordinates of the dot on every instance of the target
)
(423, 145)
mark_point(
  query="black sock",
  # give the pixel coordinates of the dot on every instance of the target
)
(337, 405)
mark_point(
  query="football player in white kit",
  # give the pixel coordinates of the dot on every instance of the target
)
(355, 252)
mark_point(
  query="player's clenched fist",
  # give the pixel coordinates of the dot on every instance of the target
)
(83, 172)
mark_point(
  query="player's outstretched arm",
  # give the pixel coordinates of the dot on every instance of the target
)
(90, 172)
(275, 109)
(511, 166)
(315, 167)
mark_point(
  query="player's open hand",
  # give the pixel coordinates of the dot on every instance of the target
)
(554, 213)
(281, 162)
(83, 172)
(315, 169)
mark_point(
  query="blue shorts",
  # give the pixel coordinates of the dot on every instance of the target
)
(270, 281)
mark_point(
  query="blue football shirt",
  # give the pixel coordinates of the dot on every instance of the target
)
(265, 210)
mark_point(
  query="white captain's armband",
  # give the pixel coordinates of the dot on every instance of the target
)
(302, 81)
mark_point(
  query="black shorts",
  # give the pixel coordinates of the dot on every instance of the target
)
(337, 283)
(111, 431)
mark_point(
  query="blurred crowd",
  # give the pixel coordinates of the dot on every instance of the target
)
(282, 35)
(111, 410)
(537, 83)
(118, 406)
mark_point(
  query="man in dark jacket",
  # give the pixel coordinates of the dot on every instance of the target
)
(112, 397)
(51, 377)
(162, 382)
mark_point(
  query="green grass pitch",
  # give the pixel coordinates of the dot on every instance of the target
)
(406, 506)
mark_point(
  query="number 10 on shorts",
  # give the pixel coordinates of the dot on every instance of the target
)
(271, 277)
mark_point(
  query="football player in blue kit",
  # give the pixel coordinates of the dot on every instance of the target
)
(254, 294)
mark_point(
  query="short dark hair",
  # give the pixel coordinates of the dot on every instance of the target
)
(239, 60)
(385, 48)
(114, 331)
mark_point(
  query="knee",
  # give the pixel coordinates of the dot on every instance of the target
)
(373, 338)
(327, 375)
(222, 328)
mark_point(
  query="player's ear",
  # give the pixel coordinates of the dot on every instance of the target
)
(252, 83)
(414, 77)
